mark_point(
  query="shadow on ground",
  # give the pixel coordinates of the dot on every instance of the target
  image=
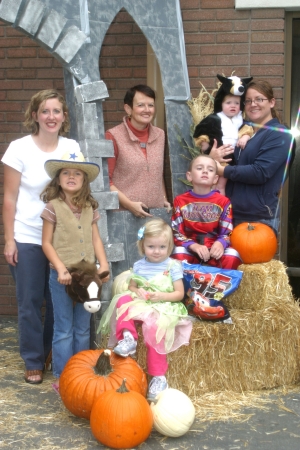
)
(33, 417)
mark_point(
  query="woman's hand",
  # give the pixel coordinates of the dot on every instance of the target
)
(220, 169)
(11, 252)
(167, 205)
(219, 153)
(136, 208)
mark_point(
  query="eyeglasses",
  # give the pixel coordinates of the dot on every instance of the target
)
(256, 101)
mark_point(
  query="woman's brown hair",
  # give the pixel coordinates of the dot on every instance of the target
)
(264, 87)
(34, 104)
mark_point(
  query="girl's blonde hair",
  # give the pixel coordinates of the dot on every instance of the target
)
(33, 107)
(81, 199)
(154, 228)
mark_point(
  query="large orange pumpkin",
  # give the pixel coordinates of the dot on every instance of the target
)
(255, 242)
(121, 418)
(91, 372)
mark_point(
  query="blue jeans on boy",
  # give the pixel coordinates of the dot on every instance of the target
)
(71, 326)
(31, 275)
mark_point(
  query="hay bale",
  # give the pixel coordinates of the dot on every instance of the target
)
(259, 351)
(262, 285)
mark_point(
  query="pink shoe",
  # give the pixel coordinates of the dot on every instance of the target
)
(55, 387)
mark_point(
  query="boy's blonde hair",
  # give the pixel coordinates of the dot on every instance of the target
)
(200, 156)
(153, 228)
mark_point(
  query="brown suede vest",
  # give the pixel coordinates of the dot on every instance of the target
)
(72, 238)
(140, 178)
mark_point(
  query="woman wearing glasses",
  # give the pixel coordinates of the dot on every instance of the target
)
(254, 181)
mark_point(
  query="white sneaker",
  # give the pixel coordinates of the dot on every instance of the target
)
(126, 347)
(157, 385)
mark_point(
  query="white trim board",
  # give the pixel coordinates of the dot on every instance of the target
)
(292, 5)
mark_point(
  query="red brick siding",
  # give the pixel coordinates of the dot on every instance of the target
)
(219, 39)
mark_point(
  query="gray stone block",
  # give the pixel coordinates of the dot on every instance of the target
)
(51, 29)
(97, 147)
(79, 67)
(106, 295)
(9, 10)
(123, 229)
(98, 184)
(107, 200)
(87, 121)
(102, 226)
(89, 92)
(69, 45)
(115, 252)
(31, 16)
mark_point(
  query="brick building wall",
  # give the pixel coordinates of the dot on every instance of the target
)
(218, 39)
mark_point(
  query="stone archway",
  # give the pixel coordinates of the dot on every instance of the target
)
(74, 35)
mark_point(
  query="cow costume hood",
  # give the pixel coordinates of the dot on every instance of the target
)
(230, 85)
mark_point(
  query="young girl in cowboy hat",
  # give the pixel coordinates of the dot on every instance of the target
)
(70, 235)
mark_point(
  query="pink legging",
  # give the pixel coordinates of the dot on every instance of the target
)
(156, 363)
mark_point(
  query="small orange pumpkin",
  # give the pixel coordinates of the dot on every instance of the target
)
(91, 372)
(255, 242)
(121, 418)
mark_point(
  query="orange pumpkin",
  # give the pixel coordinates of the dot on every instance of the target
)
(121, 418)
(255, 242)
(91, 372)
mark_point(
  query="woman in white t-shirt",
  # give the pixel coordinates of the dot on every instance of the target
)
(24, 179)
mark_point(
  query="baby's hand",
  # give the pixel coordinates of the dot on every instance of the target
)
(243, 141)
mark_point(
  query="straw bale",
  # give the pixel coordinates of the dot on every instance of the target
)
(260, 350)
(262, 285)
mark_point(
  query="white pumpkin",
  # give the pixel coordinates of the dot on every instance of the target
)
(173, 413)
(120, 283)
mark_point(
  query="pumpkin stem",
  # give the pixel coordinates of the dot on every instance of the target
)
(250, 227)
(103, 366)
(122, 389)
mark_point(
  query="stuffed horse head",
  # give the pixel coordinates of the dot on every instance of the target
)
(86, 285)
(230, 85)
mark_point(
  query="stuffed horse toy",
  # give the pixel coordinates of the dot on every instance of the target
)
(217, 125)
(86, 285)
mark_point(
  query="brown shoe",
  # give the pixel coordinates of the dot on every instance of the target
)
(38, 374)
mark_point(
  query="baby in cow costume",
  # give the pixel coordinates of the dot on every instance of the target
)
(226, 124)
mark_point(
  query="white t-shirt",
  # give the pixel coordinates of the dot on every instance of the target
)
(24, 156)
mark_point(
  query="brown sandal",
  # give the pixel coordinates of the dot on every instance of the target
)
(32, 373)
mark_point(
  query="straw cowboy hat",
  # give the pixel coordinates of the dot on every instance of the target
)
(73, 160)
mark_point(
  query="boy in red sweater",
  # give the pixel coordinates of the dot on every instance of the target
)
(202, 220)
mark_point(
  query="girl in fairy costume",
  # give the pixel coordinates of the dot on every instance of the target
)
(154, 298)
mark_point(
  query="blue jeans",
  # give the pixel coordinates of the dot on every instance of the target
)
(71, 326)
(31, 275)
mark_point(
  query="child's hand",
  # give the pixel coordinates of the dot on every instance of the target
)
(243, 141)
(217, 250)
(64, 276)
(155, 296)
(101, 270)
(201, 250)
(141, 293)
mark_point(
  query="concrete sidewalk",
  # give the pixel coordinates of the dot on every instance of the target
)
(33, 417)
